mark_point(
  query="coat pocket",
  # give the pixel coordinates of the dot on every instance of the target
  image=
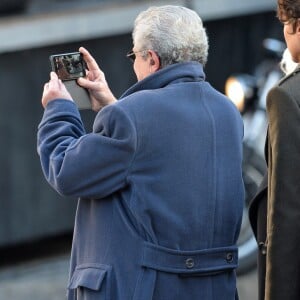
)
(90, 281)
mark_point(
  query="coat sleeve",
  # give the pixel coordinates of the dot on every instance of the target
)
(283, 225)
(85, 165)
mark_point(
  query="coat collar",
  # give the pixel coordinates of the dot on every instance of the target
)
(179, 72)
(297, 70)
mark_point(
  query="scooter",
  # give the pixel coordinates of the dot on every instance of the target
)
(248, 92)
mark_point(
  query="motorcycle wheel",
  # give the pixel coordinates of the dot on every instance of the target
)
(253, 172)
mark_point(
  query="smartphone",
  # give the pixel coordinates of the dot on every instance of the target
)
(69, 67)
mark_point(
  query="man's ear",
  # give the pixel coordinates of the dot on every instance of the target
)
(298, 27)
(154, 61)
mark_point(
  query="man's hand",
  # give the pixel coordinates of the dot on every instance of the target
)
(54, 89)
(95, 83)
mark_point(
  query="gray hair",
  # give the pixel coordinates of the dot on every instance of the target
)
(175, 33)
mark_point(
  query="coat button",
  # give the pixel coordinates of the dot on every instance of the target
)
(263, 248)
(189, 263)
(229, 257)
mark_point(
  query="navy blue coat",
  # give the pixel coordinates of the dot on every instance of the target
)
(160, 187)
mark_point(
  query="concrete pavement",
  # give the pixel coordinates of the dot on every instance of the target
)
(44, 279)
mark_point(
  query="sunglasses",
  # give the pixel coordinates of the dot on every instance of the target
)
(132, 55)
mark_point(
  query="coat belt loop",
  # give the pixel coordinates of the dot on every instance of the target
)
(190, 263)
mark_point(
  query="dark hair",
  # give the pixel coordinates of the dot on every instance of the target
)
(289, 11)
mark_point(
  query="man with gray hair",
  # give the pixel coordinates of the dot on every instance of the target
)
(159, 179)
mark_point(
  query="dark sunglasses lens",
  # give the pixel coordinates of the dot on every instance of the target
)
(131, 56)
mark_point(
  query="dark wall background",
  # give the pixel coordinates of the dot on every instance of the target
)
(30, 209)
(236, 44)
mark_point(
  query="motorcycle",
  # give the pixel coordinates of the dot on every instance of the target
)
(248, 92)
